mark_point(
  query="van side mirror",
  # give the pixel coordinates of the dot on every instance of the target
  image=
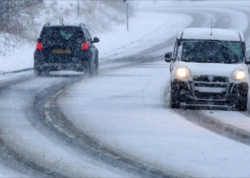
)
(168, 57)
(96, 40)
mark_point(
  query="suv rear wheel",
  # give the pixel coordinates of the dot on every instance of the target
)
(88, 70)
(37, 72)
(44, 72)
(95, 67)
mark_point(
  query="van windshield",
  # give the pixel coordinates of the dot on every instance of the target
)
(206, 51)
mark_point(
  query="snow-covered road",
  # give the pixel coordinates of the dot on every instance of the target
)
(122, 111)
(127, 114)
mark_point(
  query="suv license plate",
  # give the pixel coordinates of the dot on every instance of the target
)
(62, 51)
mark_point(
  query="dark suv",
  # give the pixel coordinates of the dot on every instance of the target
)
(65, 48)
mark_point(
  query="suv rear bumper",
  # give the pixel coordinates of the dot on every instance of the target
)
(60, 66)
(189, 95)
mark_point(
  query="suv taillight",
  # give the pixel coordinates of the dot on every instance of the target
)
(39, 46)
(84, 46)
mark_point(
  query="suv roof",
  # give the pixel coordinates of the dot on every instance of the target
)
(62, 25)
(205, 33)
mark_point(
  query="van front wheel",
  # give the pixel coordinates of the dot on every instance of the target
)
(241, 104)
(175, 97)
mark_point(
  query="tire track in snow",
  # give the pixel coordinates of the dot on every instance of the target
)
(51, 116)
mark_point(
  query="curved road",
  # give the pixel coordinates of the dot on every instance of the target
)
(116, 131)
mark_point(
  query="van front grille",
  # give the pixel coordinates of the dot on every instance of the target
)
(210, 78)
(210, 87)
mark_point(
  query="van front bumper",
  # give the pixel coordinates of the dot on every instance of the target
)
(209, 93)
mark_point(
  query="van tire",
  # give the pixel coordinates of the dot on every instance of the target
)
(175, 97)
(241, 104)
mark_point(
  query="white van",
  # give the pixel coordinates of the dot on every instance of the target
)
(208, 67)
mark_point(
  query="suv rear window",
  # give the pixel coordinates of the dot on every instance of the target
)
(62, 33)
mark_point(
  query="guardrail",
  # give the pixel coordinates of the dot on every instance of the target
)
(9, 6)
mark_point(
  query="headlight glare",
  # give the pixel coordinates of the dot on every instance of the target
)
(182, 72)
(239, 74)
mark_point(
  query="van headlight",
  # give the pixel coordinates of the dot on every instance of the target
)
(239, 74)
(182, 72)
